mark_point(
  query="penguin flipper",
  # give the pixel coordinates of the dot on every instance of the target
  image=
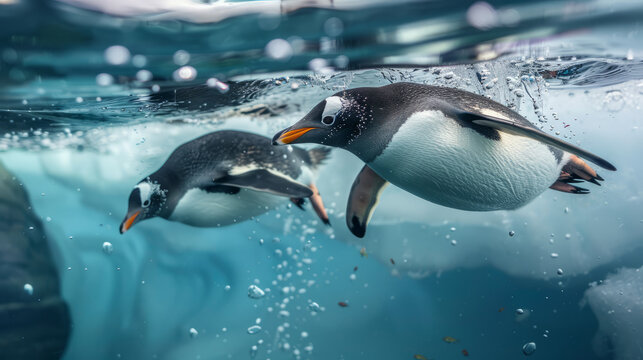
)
(363, 199)
(266, 181)
(516, 128)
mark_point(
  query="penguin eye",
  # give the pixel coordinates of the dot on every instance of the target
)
(328, 120)
(146, 203)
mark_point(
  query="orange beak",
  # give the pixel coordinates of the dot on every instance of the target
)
(292, 135)
(129, 222)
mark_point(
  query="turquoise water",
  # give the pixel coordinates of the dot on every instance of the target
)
(95, 96)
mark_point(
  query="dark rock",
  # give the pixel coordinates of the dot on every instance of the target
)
(35, 326)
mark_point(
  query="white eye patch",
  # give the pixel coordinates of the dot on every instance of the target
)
(333, 106)
(146, 189)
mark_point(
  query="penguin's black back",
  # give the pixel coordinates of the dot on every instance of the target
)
(199, 160)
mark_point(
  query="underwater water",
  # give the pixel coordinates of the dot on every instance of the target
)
(94, 97)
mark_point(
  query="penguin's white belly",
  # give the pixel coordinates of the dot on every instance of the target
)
(200, 208)
(435, 158)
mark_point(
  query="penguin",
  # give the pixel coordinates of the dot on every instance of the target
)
(448, 146)
(226, 177)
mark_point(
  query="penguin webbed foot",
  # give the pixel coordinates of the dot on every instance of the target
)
(299, 202)
(565, 187)
(318, 205)
(574, 172)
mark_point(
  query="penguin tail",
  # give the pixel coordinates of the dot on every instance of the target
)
(318, 155)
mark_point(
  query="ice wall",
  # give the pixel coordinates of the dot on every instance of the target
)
(617, 302)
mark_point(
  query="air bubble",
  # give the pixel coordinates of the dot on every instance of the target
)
(104, 79)
(529, 348)
(193, 333)
(279, 49)
(108, 248)
(254, 292)
(333, 27)
(28, 289)
(144, 75)
(254, 329)
(117, 55)
(184, 73)
(181, 57)
(314, 307)
(218, 84)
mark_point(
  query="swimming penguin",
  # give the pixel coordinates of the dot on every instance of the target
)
(226, 177)
(448, 146)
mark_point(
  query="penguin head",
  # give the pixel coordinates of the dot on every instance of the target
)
(336, 121)
(145, 201)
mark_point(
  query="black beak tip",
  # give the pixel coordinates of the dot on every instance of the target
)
(274, 138)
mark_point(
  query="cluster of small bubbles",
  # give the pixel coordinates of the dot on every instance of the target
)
(193, 333)
(279, 49)
(181, 57)
(529, 348)
(333, 27)
(108, 248)
(144, 75)
(117, 55)
(28, 288)
(254, 329)
(184, 73)
(254, 292)
(218, 84)
(104, 79)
